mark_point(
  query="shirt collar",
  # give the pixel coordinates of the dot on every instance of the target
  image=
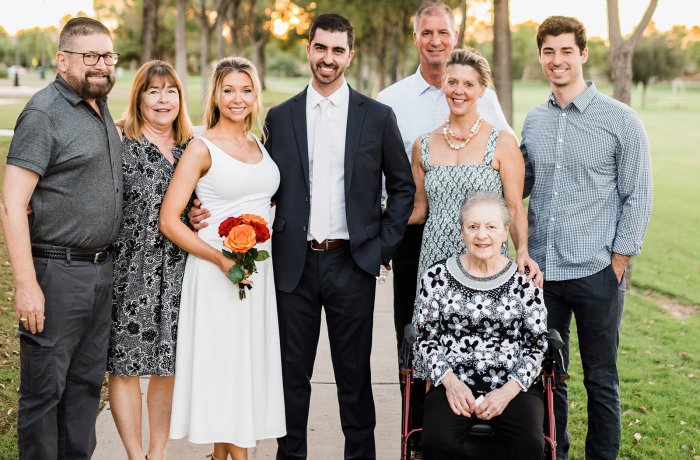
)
(421, 86)
(582, 101)
(66, 91)
(339, 98)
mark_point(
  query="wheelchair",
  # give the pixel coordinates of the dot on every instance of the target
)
(553, 361)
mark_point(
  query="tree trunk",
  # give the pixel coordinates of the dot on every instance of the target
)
(180, 41)
(205, 39)
(394, 55)
(221, 16)
(621, 50)
(149, 30)
(463, 25)
(235, 29)
(502, 58)
(381, 57)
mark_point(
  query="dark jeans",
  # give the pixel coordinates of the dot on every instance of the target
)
(62, 368)
(596, 302)
(518, 430)
(332, 281)
(405, 267)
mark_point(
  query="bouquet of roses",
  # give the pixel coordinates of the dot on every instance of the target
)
(241, 235)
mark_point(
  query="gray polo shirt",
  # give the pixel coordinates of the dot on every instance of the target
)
(78, 156)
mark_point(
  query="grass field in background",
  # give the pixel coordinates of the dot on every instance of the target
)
(659, 355)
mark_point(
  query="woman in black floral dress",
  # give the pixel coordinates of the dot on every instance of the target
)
(148, 268)
(481, 339)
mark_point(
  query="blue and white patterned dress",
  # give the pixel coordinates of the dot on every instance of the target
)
(445, 188)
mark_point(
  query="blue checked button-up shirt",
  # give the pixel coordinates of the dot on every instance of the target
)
(588, 174)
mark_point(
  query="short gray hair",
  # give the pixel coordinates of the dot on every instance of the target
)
(433, 8)
(478, 198)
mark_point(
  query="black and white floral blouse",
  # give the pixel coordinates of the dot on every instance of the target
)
(485, 330)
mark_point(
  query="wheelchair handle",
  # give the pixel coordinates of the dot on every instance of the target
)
(554, 339)
(409, 338)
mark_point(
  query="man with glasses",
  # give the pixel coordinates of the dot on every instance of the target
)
(65, 161)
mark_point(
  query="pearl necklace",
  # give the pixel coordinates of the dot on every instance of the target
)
(447, 132)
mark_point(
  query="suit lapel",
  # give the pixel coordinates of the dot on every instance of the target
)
(356, 116)
(298, 114)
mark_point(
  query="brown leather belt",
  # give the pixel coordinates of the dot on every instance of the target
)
(327, 245)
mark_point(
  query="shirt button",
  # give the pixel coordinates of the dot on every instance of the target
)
(561, 140)
(307, 199)
(563, 114)
(304, 228)
(558, 166)
(556, 193)
(551, 219)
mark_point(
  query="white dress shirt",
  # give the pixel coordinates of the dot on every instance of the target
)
(337, 127)
(420, 108)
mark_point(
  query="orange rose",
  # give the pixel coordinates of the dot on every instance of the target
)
(241, 238)
(253, 219)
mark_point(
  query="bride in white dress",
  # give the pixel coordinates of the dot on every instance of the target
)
(228, 376)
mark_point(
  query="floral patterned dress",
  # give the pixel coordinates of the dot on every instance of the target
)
(148, 269)
(485, 330)
(446, 187)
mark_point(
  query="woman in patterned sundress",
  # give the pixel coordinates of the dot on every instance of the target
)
(148, 268)
(464, 156)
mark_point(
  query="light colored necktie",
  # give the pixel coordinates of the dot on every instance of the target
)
(320, 220)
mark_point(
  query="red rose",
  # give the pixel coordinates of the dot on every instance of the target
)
(226, 226)
(261, 232)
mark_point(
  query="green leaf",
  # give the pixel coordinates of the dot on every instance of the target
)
(262, 255)
(228, 254)
(236, 274)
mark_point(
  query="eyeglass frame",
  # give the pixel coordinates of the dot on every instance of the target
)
(103, 56)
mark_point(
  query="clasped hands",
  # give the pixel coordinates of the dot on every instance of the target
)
(462, 401)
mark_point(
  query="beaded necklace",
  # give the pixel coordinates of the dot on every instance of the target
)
(447, 132)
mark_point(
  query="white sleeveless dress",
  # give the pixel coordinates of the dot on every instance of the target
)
(228, 374)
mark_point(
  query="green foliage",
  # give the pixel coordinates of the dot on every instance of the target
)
(655, 56)
(597, 66)
(284, 65)
(3, 70)
(525, 63)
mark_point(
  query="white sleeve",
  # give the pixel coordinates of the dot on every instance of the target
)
(490, 109)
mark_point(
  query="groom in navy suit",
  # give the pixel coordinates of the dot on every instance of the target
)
(330, 234)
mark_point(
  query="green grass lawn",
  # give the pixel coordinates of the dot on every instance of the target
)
(659, 356)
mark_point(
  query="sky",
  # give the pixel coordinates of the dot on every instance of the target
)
(24, 14)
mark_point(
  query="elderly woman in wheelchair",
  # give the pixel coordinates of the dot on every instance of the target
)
(481, 339)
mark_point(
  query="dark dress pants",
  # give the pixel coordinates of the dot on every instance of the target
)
(596, 301)
(405, 268)
(62, 368)
(518, 430)
(330, 280)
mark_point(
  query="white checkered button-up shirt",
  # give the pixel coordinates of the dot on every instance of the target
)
(588, 174)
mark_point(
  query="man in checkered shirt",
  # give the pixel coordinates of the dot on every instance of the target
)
(588, 174)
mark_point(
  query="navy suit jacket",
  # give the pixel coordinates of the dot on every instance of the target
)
(373, 147)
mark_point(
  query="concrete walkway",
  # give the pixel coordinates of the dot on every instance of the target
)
(325, 436)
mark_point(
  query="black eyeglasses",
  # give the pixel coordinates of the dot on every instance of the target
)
(93, 58)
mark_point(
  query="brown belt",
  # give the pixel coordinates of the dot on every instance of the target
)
(327, 245)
